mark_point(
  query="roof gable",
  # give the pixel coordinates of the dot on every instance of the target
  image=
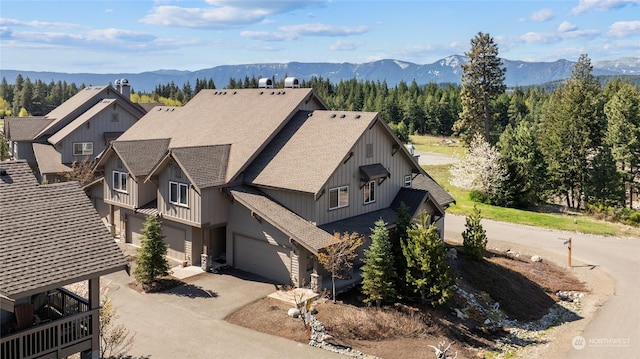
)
(65, 113)
(203, 174)
(140, 157)
(309, 149)
(49, 235)
(25, 128)
(80, 120)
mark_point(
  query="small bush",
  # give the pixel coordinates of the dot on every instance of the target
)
(479, 196)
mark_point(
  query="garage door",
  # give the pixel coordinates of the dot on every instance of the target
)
(262, 258)
(174, 237)
(134, 228)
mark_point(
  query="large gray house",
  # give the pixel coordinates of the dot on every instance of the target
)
(260, 179)
(78, 129)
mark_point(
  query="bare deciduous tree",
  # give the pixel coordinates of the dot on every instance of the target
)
(338, 257)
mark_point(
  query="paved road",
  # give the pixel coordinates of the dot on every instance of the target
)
(615, 330)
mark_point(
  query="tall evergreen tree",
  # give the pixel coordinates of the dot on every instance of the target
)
(623, 132)
(525, 164)
(428, 272)
(378, 271)
(151, 262)
(571, 132)
(482, 82)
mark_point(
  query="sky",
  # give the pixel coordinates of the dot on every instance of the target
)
(118, 36)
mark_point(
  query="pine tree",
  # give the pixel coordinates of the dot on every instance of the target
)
(482, 82)
(378, 271)
(474, 237)
(427, 269)
(572, 129)
(151, 262)
(399, 235)
(623, 131)
(4, 147)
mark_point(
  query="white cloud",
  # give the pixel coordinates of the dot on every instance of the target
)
(542, 15)
(317, 29)
(344, 45)
(566, 26)
(267, 36)
(601, 5)
(624, 28)
(222, 13)
(539, 37)
(38, 24)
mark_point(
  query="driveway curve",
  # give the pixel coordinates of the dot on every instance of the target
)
(614, 332)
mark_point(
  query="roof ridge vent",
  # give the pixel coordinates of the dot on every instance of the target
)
(333, 115)
(343, 115)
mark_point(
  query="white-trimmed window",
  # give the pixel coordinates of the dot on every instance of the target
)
(369, 192)
(120, 181)
(83, 148)
(407, 181)
(178, 193)
(338, 197)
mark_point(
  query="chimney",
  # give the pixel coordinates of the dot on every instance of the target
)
(125, 89)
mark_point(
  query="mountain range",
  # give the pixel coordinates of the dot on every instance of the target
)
(447, 70)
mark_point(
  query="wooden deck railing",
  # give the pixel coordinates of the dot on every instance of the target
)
(67, 331)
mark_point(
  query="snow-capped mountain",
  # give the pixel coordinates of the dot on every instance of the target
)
(447, 70)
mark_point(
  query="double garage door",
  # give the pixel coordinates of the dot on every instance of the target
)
(259, 257)
(175, 237)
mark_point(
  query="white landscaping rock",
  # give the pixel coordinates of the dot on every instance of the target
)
(294, 312)
(536, 259)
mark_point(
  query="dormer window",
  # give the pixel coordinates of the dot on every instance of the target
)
(120, 181)
(178, 193)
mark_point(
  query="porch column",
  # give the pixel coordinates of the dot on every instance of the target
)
(94, 303)
(112, 220)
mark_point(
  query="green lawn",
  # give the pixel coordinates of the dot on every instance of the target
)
(464, 206)
(443, 145)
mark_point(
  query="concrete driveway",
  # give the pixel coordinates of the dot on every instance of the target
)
(187, 322)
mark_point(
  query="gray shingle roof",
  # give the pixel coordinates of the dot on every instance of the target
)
(49, 235)
(438, 193)
(361, 224)
(25, 128)
(49, 160)
(308, 150)
(247, 119)
(298, 228)
(141, 156)
(206, 165)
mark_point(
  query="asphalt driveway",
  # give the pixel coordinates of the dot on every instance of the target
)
(188, 321)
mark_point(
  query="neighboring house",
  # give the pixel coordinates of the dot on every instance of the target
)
(260, 179)
(50, 237)
(79, 129)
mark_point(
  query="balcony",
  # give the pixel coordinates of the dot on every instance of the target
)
(63, 327)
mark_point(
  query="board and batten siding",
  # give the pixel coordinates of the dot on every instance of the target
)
(118, 198)
(215, 207)
(299, 203)
(189, 214)
(113, 119)
(348, 174)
